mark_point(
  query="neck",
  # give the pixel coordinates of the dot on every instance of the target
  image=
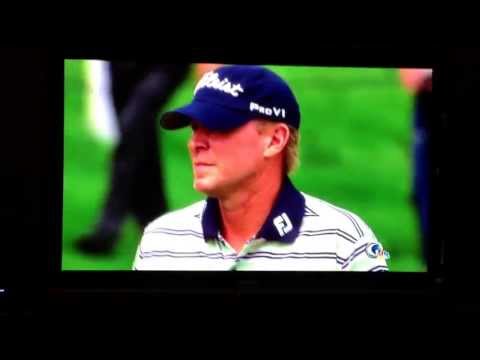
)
(244, 212)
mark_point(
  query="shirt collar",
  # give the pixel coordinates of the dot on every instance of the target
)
(282, 224)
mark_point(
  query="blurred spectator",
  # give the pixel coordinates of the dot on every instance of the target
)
(139, 91)
(419, 83)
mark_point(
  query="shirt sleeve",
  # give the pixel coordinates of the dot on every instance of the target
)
(367, 254)
(137, 261)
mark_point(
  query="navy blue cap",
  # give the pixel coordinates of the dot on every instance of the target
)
(230, 96)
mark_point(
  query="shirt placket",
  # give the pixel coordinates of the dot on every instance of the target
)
(238, 257)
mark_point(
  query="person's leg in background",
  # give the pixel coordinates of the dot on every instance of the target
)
(136, 185)
(148, 198)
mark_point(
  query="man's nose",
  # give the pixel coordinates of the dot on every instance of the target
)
(199, 139)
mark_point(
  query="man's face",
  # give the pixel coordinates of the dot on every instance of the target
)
(225, 161)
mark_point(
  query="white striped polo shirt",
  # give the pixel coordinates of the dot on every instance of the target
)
(301, 233)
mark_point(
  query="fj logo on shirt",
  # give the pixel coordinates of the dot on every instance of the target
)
(211, 80)
(283, 224)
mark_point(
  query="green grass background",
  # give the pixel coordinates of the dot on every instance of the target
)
(355, 150)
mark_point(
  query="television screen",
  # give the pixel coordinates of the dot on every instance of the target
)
(350, 193)
(350, 166)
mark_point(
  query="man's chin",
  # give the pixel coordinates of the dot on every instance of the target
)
(204, 187)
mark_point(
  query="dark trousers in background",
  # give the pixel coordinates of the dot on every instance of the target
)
(136, 185)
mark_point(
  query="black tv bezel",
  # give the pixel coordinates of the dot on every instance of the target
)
(178, 283)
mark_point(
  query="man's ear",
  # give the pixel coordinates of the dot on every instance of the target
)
(278, 135)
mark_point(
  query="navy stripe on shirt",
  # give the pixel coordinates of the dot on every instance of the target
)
(260, 254)
(379, 268)
(253, 256)
(350, 217)
(338, 232)
(296, 255)
(310, 212)
(354, 254)
(177, 232)
(179, 254)
(182, 256)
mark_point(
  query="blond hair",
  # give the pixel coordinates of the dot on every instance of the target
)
(291, 150)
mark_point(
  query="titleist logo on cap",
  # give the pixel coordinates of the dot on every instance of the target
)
(211, 80)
